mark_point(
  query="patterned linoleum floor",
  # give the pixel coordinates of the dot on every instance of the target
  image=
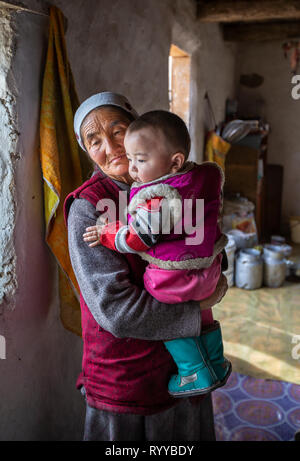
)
(251, 409)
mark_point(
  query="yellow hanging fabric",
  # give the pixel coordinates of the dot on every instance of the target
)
(216, 149)
(62, 165)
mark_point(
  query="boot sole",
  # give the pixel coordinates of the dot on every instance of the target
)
(208, 390)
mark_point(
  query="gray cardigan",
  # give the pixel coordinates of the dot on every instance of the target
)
(117, 305)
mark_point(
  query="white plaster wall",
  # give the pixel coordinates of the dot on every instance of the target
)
(38, 399)
(280, 110)
(123, 46)
(214, 73)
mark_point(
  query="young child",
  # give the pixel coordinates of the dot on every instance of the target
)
(164, 224)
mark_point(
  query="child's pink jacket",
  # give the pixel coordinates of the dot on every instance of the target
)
(185, 251)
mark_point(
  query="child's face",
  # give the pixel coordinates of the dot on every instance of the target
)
(149, 154)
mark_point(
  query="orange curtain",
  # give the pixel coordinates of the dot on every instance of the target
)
(63, 164)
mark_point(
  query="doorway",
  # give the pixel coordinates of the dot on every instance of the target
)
(179, 83)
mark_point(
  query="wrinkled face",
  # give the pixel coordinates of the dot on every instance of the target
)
(103, 131)
(148, 153)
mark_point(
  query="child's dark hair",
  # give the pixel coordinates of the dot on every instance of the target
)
(172, 126)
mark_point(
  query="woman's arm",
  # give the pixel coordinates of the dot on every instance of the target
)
(119, 306)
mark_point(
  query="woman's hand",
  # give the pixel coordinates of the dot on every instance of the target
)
(218, 294)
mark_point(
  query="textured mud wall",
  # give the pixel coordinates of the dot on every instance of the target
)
(8, 147)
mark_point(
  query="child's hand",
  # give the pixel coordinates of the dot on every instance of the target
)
(92, 234)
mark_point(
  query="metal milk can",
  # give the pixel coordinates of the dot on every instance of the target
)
(275, 266)
(249, 269)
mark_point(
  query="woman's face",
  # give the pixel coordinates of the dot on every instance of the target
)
(103, 132)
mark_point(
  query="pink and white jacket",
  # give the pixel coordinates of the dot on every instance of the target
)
(173, 223)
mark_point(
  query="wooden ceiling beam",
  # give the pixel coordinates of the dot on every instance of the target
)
(260, 32)
(242, 10)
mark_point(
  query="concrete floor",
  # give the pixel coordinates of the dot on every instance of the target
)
(261, 330)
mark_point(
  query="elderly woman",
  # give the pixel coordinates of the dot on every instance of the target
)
(125, 366)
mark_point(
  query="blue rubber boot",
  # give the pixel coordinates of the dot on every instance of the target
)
(212, 346)
(195, 374)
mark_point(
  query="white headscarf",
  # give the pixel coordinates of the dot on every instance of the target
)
(97, 100)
